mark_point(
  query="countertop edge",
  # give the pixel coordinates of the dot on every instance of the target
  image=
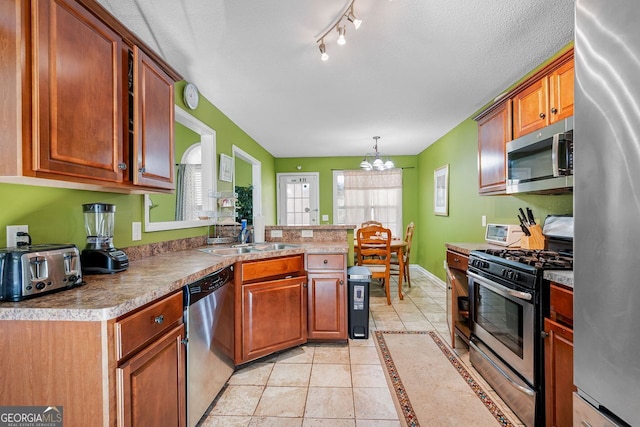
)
(132, 298)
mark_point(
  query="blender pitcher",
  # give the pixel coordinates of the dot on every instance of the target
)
(99, 255)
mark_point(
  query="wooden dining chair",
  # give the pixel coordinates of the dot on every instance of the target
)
(395, 262)
(374, 252)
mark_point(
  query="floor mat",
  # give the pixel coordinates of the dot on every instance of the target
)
(432, 385)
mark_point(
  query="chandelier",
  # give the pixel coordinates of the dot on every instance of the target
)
(373, 161)
(348, 14)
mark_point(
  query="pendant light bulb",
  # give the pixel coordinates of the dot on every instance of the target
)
(389, 164)
(323, 51)
(341, 30)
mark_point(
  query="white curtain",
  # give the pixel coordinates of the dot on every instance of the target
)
(374, 195)
(188, 192)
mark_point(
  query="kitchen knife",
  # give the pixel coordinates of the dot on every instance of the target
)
(524, 217)
(524, 228)
(532, 220)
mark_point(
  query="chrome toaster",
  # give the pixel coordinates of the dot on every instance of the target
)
(34, 270)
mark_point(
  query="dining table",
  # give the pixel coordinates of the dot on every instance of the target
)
(397, 246)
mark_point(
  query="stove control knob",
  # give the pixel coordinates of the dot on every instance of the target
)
(503, 272)
(40, 285)
(516, 275)
(485, 264)
(510, 274)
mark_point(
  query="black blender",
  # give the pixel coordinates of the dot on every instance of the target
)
(100, 256)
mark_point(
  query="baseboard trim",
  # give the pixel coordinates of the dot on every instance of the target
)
(429, 274)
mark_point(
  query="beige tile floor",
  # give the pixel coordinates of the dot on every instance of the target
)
(337, 385)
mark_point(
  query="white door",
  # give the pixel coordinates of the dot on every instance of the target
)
(298, 199)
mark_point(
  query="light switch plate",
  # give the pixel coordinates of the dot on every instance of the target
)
(276, 233)
(484, 220)
(136, 231)
(307, 233)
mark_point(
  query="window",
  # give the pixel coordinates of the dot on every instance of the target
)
(365, 195)
(189, 184)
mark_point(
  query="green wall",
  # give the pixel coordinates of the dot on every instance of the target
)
(326, 165)
(459, 149)
(54, 215)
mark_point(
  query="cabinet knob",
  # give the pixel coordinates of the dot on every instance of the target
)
(142, 170)
(122, 166)
(326, 261)
(544, 334)
(341, 282)
(543, 115)
(184, 341)
(159, 319)
(554, 110)
(304, 285)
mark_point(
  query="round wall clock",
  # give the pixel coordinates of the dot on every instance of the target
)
(191, 96)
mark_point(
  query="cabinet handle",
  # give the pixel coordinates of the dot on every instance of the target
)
(184, 341)
(554, 110)
(142, 170)
(326, 261)
(159, 319)
(542, 115)
(122, 166)
(456, 260)
(341, 282)
(544, 334)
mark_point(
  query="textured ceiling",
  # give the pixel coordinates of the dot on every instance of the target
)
(413, 71)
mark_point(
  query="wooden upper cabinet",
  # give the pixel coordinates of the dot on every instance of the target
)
(494, 131)
(77, 94)
(153, 124)
(561, 92)
(546, 98)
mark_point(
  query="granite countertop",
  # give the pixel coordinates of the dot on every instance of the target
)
(466, 248)
(107, 296)
(563, 277)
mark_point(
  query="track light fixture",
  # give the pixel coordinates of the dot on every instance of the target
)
(347, 14)
(373, 161)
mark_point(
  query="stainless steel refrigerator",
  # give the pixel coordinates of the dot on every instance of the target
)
(607, 207)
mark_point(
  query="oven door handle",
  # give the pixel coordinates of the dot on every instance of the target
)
(502, 290)
(515, 385)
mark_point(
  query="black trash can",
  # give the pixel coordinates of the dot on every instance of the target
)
(359, 280)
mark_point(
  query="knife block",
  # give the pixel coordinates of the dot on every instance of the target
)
(535, 241)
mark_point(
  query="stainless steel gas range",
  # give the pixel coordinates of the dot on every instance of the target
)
(508, 303)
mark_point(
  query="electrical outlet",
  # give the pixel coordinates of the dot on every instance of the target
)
(136, 231)
(276, 233)
(444, 264)
(12, 235)
(307, 233)
(325, 217)
(484, 220)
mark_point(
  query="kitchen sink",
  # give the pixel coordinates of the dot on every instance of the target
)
(246, 249)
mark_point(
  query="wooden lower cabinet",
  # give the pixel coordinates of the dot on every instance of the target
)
(457, 287)
(270, 306)
(274, 316)
(327, 297)
(558, 359)
(151, 385)
(75, 365)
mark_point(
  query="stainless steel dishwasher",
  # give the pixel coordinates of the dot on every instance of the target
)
(208, 311)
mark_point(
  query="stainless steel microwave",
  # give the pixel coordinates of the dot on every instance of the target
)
(542, 161)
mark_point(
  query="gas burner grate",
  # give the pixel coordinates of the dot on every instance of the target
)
(538, 258)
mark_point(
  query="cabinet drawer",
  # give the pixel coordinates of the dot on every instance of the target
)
(139, 328)
(325, 262)
(458, 261)
(561, 300)
(274, 267)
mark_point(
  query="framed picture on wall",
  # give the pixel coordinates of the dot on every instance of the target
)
(226, 168)
(441, 191)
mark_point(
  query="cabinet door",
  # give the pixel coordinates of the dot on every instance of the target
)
(77, 95)
(530, 108)
(151, 385)
(558, 355)
(274, 316)
(153, 151)
(561, 92)
(494, 131)
(327, 306)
